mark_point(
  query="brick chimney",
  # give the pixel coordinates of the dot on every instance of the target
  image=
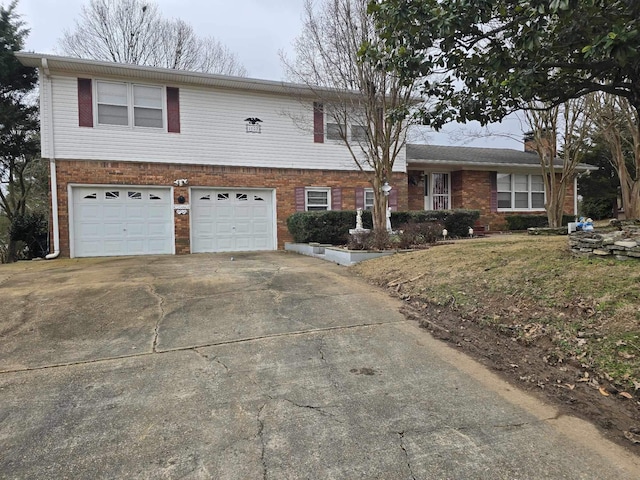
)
(529, 142)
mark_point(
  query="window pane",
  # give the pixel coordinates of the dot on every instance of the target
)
(113, 115)
(313, 209)
(537, 183)
(112, 93)
(147, 117)
(504, 182)
(521, 183)
(522, 200)
(317, 198)
(537, 200)
(147, 96)
(368, 199)
(358, 133)
(333, 131)
(504, 200)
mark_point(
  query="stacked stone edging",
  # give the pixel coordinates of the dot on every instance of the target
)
(623, 244)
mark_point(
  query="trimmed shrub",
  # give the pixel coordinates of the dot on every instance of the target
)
(414, 234)
(333, 226)
(522, 222)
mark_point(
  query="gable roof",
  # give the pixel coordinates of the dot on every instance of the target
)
(477, 157)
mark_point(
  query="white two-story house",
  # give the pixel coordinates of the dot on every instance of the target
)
(157, 161)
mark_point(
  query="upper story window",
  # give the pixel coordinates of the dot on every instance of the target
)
(127, 104)
(147, 106)
(317, 199)
(113, 103)
(520, 192)
(359, 133)
(333, 131)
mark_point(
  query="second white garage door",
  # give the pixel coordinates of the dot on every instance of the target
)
(231, 220)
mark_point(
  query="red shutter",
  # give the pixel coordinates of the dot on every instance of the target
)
(393, 199)
(318, 122)
(299, 194)
(493, 180)
(360, 198)
(336, 199)
(173, 110)
(85, 103)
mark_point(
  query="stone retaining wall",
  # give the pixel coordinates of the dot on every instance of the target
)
(623, 244)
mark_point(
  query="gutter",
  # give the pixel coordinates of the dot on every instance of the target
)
(47, 84)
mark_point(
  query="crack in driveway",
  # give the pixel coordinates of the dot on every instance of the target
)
(193, 347)
(152, 291)
(406, 454)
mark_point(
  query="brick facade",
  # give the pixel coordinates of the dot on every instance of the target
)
(284, 181)
(471, 190)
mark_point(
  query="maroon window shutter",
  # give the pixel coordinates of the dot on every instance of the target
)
(85, 103)
(336, 199)
(318, 122)
(173, 110)
(360, 198)
(393, 199)
(299, 194)
(493, 179)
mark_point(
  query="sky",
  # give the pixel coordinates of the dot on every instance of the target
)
(256, 31)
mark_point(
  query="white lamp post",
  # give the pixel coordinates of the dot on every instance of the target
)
(386, 189)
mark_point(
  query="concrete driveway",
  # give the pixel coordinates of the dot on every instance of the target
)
(270, 366)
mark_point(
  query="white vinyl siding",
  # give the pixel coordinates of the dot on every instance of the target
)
(520, 192)
(317, 199)
(212, 132)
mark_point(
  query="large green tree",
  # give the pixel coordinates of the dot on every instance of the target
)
(19, 142)
(497, 56)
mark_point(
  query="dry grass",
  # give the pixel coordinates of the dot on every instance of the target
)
(590, 308)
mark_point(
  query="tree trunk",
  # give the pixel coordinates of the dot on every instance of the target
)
(12, 251)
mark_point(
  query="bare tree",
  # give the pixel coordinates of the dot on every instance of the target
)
(133, 31)
(618, 123)
(367, 107)
(560, 137)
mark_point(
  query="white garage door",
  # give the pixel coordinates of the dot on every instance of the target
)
(231, 220)
(119, 220)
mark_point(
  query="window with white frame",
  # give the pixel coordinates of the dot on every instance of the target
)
(359, 133)
(113, 103)
(147, 106)
(334, 132)
(317, 199)
(437, 191)
(368, 198)
(127, 104)
(520, 192)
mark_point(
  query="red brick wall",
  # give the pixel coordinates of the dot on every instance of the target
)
(283, 180)
(471, 189)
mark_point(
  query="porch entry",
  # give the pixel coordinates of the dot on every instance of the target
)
(437, 191)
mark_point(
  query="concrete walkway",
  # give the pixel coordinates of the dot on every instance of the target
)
(272, 365)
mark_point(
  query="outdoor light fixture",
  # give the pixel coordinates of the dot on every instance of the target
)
(386, 188)
(181, 182)
(444, 233)
(470, 232)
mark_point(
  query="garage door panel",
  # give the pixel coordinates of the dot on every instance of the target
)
(232, 220)
(111, 221)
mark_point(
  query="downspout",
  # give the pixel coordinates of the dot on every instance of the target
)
(575, 196)
(52, 160)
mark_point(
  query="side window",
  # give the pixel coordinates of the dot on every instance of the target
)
(112, 103)
(317, 199)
